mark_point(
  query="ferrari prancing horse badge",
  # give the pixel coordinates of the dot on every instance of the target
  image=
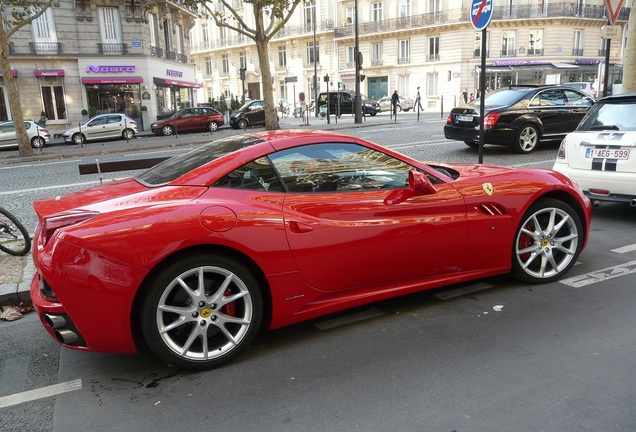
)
(487, 188)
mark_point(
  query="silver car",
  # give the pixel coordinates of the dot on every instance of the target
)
(38, 135)
(101, 127)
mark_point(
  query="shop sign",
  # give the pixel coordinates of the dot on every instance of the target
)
(145, 95)
(109, 69)
(174, 73)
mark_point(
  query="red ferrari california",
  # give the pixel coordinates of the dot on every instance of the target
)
(262, 230)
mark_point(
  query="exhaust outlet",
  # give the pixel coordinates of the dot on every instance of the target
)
(66, 336)
(55, 321)
(633, 202)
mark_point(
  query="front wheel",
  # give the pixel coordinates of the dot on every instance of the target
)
(242, 124)
(37, 142)
(547, 242)
(79, 139)
(128, 134)
(527, 139)
(167, 130)
(213, 126)
(201, 311)
(14, 238)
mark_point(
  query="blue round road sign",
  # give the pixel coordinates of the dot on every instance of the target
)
(480, 13)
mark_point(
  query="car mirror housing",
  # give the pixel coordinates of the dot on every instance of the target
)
(419, 184)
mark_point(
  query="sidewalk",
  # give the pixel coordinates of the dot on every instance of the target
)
(18, 288)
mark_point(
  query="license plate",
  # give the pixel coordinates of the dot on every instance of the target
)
(607, 153)
(464, 118)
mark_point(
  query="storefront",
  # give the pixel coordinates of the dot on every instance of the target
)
(4, 98)
(131, 87)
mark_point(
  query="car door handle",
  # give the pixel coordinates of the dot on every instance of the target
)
(299, 228)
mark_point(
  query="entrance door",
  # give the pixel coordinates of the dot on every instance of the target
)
(253, 91)
(378, 87)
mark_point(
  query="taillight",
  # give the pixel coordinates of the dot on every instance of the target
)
(561, 154)
(448, 119)
(52, 224)
(491, 119)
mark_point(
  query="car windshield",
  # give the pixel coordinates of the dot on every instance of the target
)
(175, 167)
(610, 115)
(502, 98)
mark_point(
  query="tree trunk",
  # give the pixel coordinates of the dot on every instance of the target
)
(271, 117)
(629, 64)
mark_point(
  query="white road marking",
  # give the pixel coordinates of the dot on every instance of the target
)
(600, 275)
(40, 393)
(40, 164)
(463, 291)
(625, 249)
(18, 192)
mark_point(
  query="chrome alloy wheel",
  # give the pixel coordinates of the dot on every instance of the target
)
(204, 313)
(547, 243)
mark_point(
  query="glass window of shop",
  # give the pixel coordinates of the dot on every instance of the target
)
(53, 98)
(4, 113)
(119, 98)
(171, 99)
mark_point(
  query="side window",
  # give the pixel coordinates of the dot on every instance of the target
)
(551, 98)
(98, 121)
(339, 167)
(578, 99)
(114, 118)
(255, 175)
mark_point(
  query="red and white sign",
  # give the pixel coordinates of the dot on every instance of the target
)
(614, 8)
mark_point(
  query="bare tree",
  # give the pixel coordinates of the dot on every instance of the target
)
(15, 15)
(269, 17)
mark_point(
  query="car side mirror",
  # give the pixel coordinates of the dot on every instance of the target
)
(419, 184)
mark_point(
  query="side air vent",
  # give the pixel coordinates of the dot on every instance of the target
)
(491, 209)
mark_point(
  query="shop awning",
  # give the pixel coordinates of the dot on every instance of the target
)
(48, 72)
(163, 81)
(113, 80)
(14, 73)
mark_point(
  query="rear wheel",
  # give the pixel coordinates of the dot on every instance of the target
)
(37, 142)
(527, 139)
(547, 242)
(213, 126)
(167, 130)
(79, 138)
(201, 311)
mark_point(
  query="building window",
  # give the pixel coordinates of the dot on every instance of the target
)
(282, 56)
(351, 56)
(535, 42)
(53, 98)
(434, 6)
(405, 51)
(376, 54)
(508, 48)
(178, 39)
(431, 84)
(225, 67)
(205, 35)
(433, 48)
(477, 48)
(577, 48)
(110, 25)
(349, 15)
(208, 66)
(152, 26)
(310, 53)
(44, 36)
(405, 8)
(82, 7)
(309, 15)
(376, 12)
(222, 35)
(243, 60)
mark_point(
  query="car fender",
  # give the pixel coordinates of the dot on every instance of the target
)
(525, 119)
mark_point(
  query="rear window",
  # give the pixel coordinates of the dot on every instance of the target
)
(502, 97)
(175, 167)
(610, 115)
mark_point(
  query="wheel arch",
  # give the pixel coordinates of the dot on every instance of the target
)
(523, 120)
(144, 287)
(572, 202)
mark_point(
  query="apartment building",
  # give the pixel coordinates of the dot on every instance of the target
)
(406, 44)
(106, 56)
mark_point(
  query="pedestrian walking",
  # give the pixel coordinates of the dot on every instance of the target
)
(395, 100)
(465, 95)
(43, 119)
(418, 103)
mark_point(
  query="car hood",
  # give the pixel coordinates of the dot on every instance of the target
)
(118, 195)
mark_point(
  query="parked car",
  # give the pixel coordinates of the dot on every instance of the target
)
(252, 113)
(189, 120)
(520, 117)
(345, 100)
(587, 87)
(600, 154)
(101, 127)
(405, 104)
(192, 257)
(38, 135)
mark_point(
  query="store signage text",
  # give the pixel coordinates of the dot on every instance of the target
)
(109, 69)
(174, 73)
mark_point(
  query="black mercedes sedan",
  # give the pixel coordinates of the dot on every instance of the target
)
(520, 116)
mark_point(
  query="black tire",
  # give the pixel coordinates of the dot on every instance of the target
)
(14, 238)
(128, 134)
(37, 142)
(527, 139)
(202, 328)
(213, 126)
(373, 114)
(79, 138)
(547, 242)
(471, 144)
(167, 130)
(242, 124)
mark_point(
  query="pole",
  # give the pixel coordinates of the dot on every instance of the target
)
(357, 108)
(315, 64)
(482, 94)
(608, 42)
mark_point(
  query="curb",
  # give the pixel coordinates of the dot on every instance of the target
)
(19, 291)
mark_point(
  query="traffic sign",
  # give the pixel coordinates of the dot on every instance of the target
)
(611, 32)
(481, 13)
(614, 8)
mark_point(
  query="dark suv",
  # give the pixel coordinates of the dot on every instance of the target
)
(347, 98)
(520, 117)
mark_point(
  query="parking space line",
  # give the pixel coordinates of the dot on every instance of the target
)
(625, 249)
(600, 275)
(31, 395)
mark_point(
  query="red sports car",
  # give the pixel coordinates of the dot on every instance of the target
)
(193, 256)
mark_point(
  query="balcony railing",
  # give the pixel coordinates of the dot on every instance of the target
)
(377, 62)
(477, 54)
(577, 52)
(601, 53)
(175, 56)
(433, 57)
(45, 47)
(404, 60)
(156, 51)
(508, 52)
(112, 48)
(535, 51)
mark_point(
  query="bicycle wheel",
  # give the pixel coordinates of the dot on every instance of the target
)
(14, 238)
